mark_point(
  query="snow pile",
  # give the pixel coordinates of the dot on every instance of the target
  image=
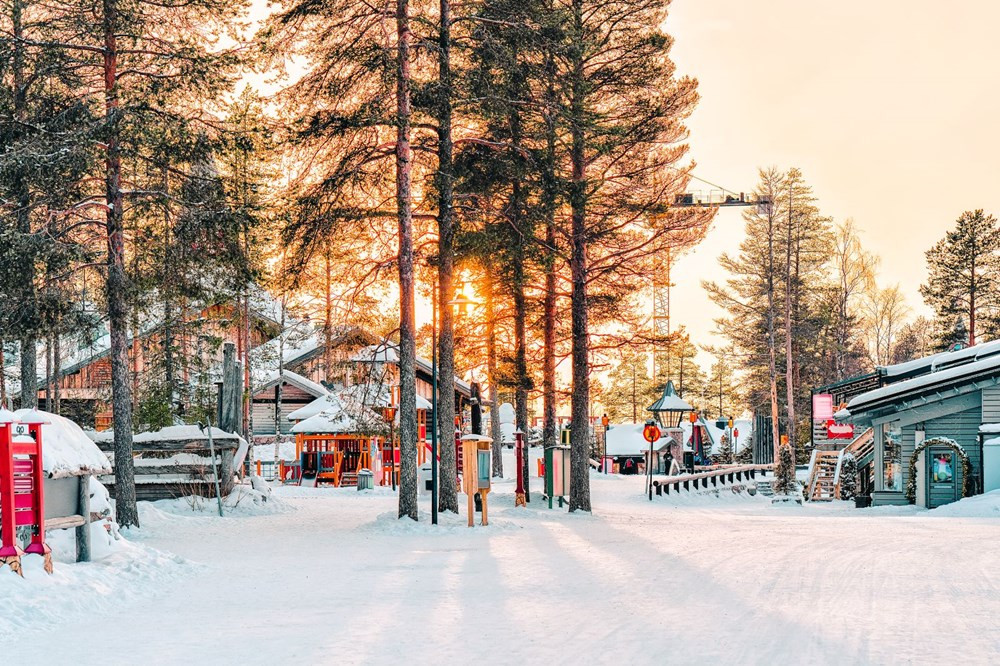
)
(76, 593)
(977, 506)
(182, 433)
(265, 452)
(66, 449)
(244, 501)
(507, 427)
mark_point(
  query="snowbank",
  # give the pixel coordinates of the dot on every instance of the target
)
(66, 448)
(978, 506)
(73, 593)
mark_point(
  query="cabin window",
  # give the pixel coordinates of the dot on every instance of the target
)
(892, 456)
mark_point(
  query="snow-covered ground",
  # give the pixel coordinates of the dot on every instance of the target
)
(328, 576)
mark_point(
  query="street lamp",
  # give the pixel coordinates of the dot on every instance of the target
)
(460, 300)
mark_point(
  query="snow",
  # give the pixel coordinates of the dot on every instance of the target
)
(940, 377)
(182, 433)
(304, 383)
(625, 439)
(342, 416)
(373, 396)
(944, 359)
(507, 421)
(989, 428)
(66, 449)
(331, 576)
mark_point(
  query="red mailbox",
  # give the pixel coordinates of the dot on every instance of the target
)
(22, 498)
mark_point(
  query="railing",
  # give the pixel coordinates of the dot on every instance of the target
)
(702, 479)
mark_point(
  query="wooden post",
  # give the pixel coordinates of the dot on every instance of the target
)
(83, 531)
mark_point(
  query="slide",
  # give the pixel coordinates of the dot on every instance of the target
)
(308, 479)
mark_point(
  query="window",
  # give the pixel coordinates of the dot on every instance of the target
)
(892, 457)
(942, 468)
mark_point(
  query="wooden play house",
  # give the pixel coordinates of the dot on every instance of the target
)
(378, 405)
(334, 445)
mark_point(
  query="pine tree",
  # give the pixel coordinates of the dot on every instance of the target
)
(964, 278)
(784, 472)
(848, 477)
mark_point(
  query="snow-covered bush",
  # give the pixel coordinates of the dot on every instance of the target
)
(848, 477)
(784, 472)
(745, 456)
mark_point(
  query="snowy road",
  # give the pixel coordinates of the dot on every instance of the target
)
(334, 578)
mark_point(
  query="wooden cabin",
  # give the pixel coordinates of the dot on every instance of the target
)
(931, 421)
(85, 378)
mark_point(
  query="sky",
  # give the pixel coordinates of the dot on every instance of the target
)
(890, 108)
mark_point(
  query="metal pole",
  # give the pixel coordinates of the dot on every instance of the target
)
(434, 404)
(649, 471)
(215, 468)
(392, 450)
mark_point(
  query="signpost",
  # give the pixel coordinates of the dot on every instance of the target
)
(650, 433)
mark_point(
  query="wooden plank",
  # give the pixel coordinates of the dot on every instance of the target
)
(64, 523)
(83, 529)
(224, 443)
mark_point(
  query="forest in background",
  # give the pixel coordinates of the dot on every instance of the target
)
(529, 148)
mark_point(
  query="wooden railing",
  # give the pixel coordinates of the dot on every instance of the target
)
(713, 477)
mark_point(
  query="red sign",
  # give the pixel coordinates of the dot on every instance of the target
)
(651, 433)
(736, 433)
(836, 430)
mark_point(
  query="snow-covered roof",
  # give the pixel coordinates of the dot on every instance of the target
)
(625, 439)
(943, 360)
(342, 417)
(66, 449)
(670, 401)
(182, 433)
(940, 378)
(264, 358)
(384, 352)
(388, 352)
(371, 395)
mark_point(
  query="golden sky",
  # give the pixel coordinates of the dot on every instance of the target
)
(890, 108)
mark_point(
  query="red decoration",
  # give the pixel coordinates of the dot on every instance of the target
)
(836, 430)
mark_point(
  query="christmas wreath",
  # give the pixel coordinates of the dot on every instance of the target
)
(911, 483)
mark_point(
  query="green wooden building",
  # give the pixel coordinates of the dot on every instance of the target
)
(935, 421)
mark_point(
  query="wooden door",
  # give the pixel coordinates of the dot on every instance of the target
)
(943, 476)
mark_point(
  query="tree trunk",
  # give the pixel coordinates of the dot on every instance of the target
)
(789, 328)
(3, 376)
(281, 381)
(407, 326)
(444, 183)
(491, 369)
(550, 185)
(117, 281)
(579, 498)
(22, 195)
(771, 344)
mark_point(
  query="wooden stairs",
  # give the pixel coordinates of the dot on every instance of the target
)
(824, 469)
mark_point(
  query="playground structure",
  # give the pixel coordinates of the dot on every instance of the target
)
(339, 435)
